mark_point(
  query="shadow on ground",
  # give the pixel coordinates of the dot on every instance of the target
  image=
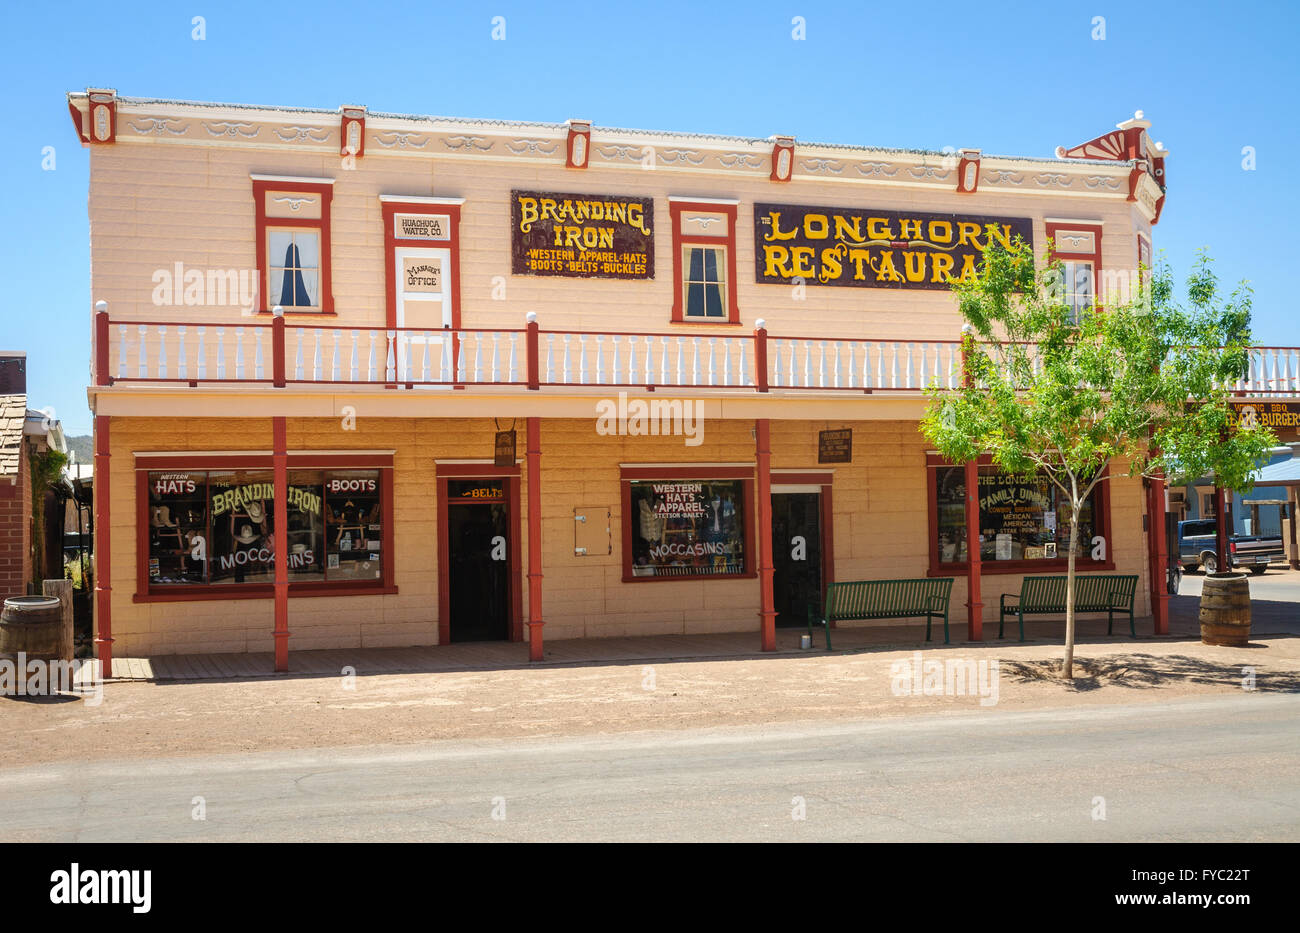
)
(1139, 671)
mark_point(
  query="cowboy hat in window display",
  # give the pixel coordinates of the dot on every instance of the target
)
(255, 512)
(246, 535)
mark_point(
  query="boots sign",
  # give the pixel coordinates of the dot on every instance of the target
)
(867, 248)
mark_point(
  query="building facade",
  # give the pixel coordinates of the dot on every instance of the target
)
(515, 378)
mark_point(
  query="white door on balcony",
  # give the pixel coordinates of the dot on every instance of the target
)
(423, 291)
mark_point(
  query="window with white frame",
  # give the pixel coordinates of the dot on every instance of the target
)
(1079, 285)
(704, 283)
(293, 268)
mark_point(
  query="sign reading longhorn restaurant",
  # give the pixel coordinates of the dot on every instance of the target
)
(582, 235)
(868, 248)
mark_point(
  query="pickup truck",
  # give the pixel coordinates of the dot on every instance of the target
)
(1196, 548)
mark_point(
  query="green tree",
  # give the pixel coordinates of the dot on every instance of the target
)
(1064, 394)
(46, 468)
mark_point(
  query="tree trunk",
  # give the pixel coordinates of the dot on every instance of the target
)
(1067, 666)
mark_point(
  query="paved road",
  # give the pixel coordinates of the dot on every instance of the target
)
(1219, 769)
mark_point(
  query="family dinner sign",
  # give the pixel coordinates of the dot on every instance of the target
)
(875, 249)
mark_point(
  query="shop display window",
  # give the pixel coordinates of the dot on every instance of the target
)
(218, 527)
(688, 528)
(1024, 520)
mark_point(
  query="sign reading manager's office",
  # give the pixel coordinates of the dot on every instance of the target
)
(868, 248)
(582, 235)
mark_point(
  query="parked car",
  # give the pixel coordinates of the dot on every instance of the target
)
(1196, 548)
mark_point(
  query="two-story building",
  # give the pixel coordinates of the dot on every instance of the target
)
(366, 379)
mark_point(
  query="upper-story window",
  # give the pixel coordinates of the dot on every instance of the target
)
(1077, 244)
(293, 243)
(704, 261)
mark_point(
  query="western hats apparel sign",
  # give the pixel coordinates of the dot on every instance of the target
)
(868, 248)
(582, 235)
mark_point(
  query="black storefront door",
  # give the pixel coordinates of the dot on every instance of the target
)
(477, 536)
(796, 553)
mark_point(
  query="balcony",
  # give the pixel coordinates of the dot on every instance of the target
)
(277, 354)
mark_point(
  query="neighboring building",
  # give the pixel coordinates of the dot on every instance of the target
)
(23, 432)
(443, 280)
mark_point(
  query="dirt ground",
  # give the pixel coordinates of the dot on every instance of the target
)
(187, 718)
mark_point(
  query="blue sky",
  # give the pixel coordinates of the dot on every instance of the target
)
(1015, 79)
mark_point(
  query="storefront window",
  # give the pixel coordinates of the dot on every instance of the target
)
(687, 528)
(218, 527)
(1022, 518)
(178, 527)
(352, 535)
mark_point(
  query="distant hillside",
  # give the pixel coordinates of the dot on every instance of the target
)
(84, 447)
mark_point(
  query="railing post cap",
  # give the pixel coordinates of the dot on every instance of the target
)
(760, 324)
(278, 311)
(531, 317)
(101, 305)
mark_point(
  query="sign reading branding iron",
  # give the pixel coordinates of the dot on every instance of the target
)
(582, 235)
(867, 248)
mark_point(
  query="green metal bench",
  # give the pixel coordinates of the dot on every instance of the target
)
(884, 599)
(1039, 595)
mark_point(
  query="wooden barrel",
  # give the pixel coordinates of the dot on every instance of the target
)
(1225, 609)
(32, 625)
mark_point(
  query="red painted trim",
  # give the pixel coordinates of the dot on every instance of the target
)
(675, 209)
(103, 548)
(686, 470)
(390, 208)
(1071, 255)
(516, 565)
(77, 123)
(344, 121)
(297, 461)
(961, 175)
(828, 537)
(534, 368)
(760, 359)
(279, 434)
(445, 470)
(577, 129)
(103, 374)
(227, 592)
(974, 594)
(277, 351)
(444, 557)
(766, 566)
(142, 532)
(513, 567)
(387, 509)
(779, 145)
(326, 192)
(534, 457)
(1157, 548)
(812, 477)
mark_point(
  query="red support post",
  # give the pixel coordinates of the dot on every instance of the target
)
(1221, 530)
(766, 570)
(103, 547)
(974, 597)
(102, 371)
(280, 460)
(974, 603)
(534, 465)
(277, 347)
(533, 355)
(1159, 556)
(760, 355)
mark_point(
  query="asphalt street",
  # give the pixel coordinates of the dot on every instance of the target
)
(1224, 769)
